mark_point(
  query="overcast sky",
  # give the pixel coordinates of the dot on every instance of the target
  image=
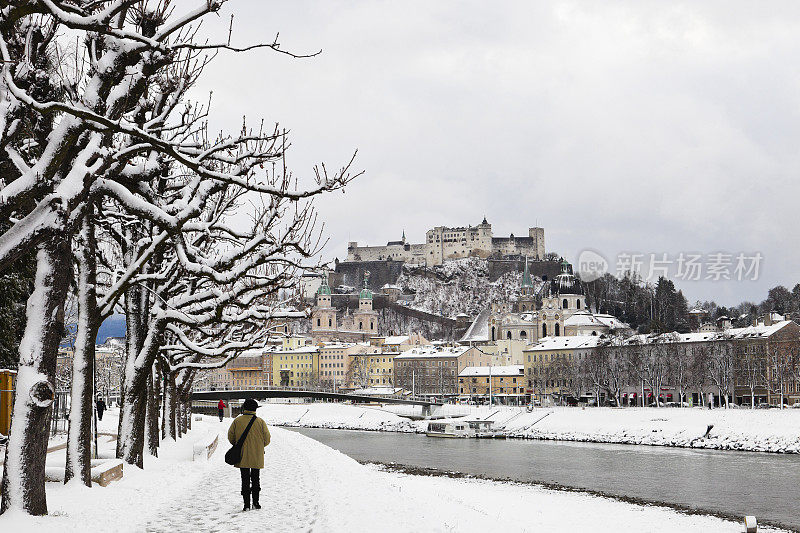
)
(648, 127)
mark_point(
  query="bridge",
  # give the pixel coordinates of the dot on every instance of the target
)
(429, 407)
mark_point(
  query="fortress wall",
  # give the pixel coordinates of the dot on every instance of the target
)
(352, 273)
(378, 253)
(498, 267)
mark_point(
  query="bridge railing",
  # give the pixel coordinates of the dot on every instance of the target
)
(274, 392)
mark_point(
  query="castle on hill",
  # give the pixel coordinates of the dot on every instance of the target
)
(443, 243)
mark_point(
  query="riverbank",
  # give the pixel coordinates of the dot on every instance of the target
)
(769, 430)
(309, 486)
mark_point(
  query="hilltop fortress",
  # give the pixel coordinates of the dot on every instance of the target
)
(443, 243)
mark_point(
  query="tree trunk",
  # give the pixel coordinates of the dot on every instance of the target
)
(138, 367)
(170, 406)
(26, 451)
(163, 387)
(179, 419)
(79, 438)
(152, 413)
(130, 447)
(183, 425)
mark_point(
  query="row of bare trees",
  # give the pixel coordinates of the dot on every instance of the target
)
(656, 362)
(114, 180)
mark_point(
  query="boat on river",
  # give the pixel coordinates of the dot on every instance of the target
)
(475, 429)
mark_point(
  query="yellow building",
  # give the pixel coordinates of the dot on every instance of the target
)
(249, 371)
(293, 342)
(295, 368)
(507, 383)
(371, 369)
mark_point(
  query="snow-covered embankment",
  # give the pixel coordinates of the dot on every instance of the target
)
(769, 430)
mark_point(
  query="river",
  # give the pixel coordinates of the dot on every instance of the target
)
(724, 482)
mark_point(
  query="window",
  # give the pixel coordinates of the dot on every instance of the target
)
(578, 303)
(544, 330)
(565, 304)
(558, 332)
(330, 323)
(523, 334)
(508, 335)
(319, 322)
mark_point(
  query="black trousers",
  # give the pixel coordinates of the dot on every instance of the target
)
(250, 480)
(99, 414)
(221, 413)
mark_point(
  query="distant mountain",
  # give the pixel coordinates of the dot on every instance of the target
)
(113, 326)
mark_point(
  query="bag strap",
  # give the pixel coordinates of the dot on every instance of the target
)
(246, 430)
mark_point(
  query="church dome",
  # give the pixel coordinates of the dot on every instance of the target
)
(565, 282)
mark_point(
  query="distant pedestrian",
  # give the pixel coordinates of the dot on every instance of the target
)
(101, 407)
(221, 408)
(255, 441)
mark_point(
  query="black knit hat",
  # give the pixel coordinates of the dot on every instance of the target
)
(249, 405)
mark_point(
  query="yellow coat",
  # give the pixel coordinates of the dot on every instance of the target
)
(255, 442)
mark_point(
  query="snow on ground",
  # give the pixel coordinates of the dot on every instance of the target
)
(307, 486)
(768, 430)
(517, 507)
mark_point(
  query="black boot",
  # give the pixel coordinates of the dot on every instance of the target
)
(256, 505)
(246, 497)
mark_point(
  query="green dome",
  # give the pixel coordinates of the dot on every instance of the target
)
(324, 288)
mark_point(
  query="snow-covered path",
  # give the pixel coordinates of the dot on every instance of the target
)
(215, 504)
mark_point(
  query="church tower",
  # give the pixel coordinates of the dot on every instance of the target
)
(323, 316)
(527, 298)
(366, 319)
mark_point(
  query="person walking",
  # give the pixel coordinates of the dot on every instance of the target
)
(101, 407)
(221, 409)
(252, 450)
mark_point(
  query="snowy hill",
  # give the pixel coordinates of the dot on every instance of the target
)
(459, 286)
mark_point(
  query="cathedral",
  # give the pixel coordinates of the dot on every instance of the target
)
(360, 325)
(563, 312)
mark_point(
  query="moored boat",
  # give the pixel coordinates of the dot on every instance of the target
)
(478, 429)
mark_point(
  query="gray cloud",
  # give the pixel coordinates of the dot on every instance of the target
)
(647, 126)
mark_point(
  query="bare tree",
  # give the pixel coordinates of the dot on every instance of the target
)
(750, 369)
(360, 370)
(679, 364)
(721, 366)
(122, 137)
(699, 365)
(776, 368)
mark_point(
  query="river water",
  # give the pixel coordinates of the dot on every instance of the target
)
(730, 483)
